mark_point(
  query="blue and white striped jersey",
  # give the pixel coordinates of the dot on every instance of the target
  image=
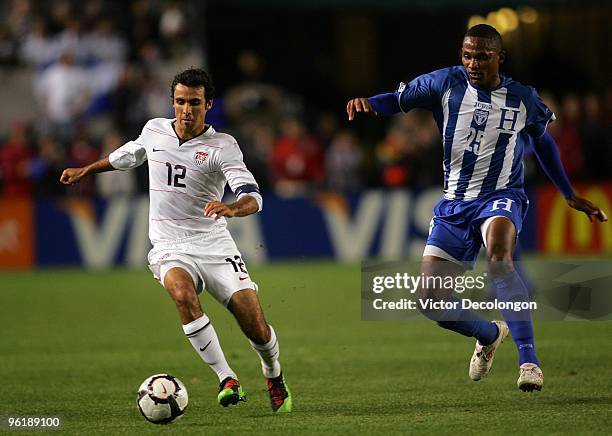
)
(484, 132)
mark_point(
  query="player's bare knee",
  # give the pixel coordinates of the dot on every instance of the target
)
(428, 269)
(424, 293)
(182, 293)
(500, 260)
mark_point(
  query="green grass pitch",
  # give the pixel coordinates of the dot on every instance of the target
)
(78, 344)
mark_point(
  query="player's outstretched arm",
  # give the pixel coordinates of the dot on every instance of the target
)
(359, 104)
(245, 205)
(590, 209)
(547, 152)
(381, 104)
(71, 176)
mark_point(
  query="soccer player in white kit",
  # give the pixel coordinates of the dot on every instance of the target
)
(189, 166)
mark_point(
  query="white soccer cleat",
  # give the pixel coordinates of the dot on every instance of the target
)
(530, 378)
(482, 359)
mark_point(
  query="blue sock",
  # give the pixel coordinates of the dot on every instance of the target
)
(518, 267)
(511, 288)
(466, 323)
(522, 333)
(485, 331)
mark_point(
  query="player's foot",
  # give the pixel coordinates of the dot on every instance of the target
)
(482, 359)
(230, 392)
(280, 395)
(530, 378)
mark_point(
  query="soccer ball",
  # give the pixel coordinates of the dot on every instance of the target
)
(162, 398)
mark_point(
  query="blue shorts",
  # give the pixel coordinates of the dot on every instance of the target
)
(455, 230)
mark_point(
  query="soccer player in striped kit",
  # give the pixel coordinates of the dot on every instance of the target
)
(189, 165)
(485, 120)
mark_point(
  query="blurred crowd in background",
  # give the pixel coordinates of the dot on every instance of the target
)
(101, 70)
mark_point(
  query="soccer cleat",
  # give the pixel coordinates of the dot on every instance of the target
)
(530, 378)
(230, 392)
(280, 395)
(482, 359)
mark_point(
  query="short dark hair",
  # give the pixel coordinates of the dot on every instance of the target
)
(194, 78)
(485, 31)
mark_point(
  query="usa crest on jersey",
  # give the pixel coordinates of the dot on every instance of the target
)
(200, 157)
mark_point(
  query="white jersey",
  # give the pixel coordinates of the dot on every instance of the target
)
(184, 176)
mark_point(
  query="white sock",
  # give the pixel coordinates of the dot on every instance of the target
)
(203, 337)
(268, 353)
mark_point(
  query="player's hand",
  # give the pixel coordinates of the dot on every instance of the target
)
(217, 209)
(584, 205)
(70, 176)
(359, 104)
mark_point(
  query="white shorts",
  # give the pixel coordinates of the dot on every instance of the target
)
(212, 260)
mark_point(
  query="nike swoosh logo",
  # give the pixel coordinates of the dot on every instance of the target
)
(243, 278)
(154, 150)
(202, 349)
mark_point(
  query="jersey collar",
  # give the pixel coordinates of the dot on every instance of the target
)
(207, 132)
(503, 82)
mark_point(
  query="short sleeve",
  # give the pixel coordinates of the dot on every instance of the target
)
(240, 180)
(538, 115)
(130, 155)
(422, 92)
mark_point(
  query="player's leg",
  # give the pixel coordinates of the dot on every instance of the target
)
(179, 284)
(519, 268)
(245, 307)
(179, 280)
(456, 319)
(438, 262)
(449, 251)
(228, 281)
(500, 232)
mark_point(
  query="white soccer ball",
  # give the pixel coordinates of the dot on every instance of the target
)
(162, 398)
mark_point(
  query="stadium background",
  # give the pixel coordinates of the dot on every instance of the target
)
(81, 78)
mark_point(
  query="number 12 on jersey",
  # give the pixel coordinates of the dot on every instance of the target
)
(179, 175)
